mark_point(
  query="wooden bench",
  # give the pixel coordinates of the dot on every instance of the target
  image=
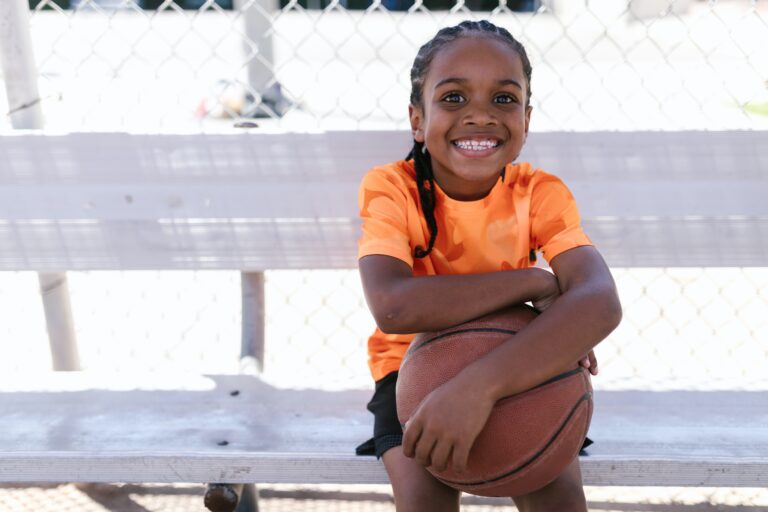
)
(252, 202)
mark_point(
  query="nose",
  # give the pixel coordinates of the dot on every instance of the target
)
(480, 116)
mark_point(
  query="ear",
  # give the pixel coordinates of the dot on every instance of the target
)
(528, 111)
(416, 116)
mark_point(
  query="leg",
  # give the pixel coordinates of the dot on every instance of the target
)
(565, 493)
(415, 489)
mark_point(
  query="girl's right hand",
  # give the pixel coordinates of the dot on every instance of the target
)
(548, 292)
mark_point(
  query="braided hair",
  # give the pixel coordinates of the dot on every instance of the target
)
(425, 179)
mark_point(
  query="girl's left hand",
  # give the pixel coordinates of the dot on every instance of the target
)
(444, 427)
(590, 362)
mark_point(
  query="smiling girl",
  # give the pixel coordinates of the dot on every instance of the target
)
(451, 234)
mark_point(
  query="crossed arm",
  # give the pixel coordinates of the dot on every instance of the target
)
(580, 308)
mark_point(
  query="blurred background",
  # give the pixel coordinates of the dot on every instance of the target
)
(191, 66)
(152, 65)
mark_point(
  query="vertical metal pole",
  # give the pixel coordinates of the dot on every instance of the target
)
(258, 23)
(253, 324)
(252, 355)
(18, 64)
(58, 318)
(249, 500)
(256, 15)
(245, 497)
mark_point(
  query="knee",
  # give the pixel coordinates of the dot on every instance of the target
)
(553, 500)
(414, 489)
(426, 498)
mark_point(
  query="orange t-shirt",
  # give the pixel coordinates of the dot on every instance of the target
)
(526, 211)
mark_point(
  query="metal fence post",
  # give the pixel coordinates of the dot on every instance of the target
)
(257, 17)
(20, 72)
(252, 348)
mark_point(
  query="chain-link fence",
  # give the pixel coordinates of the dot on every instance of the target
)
(698, 328)
(144, 65)
(190, 65)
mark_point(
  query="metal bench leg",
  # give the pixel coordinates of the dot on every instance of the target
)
(249, 499)
(232, 498)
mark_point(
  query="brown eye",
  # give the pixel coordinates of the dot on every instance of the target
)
(505, 98)
(453, 97)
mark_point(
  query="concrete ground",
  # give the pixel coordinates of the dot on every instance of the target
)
(189, 498)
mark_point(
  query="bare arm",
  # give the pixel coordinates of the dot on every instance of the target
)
(402, 303)
(586, 312)
(441, 432)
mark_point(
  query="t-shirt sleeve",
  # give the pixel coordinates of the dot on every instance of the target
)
(383, 206)
(555, 219)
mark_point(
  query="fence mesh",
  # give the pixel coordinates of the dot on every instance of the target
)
(608, 64)
(192, 65)
(167, 65)
(686, 328)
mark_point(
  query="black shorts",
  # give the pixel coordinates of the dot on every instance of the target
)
(387, 432)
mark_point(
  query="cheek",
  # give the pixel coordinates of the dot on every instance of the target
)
(436, 128)
(436, 141)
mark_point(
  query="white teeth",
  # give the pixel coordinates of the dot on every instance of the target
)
(476, 145)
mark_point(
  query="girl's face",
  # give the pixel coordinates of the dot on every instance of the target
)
(473, 120)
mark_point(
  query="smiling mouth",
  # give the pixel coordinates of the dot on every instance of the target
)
(476, 144)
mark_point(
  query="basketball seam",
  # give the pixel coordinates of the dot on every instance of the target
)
(586, 396)
(463, 331)
(556, 378)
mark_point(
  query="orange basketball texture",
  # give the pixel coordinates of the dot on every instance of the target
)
(530, 438)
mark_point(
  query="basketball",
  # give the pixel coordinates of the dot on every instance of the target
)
(530, 438)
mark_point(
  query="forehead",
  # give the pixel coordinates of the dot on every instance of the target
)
(476, 58)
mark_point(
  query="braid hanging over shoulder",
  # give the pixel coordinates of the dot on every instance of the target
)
(425, 182)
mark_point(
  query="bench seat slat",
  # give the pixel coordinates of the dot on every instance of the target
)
(268, 468)
(105, 430)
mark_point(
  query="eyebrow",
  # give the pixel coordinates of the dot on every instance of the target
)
(456, 80)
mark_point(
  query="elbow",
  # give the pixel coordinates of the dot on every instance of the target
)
(392, 322)
(391, 317)
(610, 309)
(390, 326)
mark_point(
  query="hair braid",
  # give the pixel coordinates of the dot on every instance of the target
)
(425, 182)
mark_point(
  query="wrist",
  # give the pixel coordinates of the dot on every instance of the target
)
(480, 383)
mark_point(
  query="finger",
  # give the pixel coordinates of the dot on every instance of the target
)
(585, 362)
(459, 457)
(411, 434)
(424, 450)
(441, 455)
(593, 362)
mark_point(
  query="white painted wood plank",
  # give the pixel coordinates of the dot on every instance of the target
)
(271, 201)
(104, 429)
(345, 469)
(664, 472)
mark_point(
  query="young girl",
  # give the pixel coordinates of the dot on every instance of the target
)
(451, 234)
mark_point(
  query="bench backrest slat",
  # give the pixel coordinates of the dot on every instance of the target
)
(272, 201)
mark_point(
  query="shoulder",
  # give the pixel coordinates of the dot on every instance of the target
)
(389, 186)
(537, 183)
(525, 176)
(399, 174)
